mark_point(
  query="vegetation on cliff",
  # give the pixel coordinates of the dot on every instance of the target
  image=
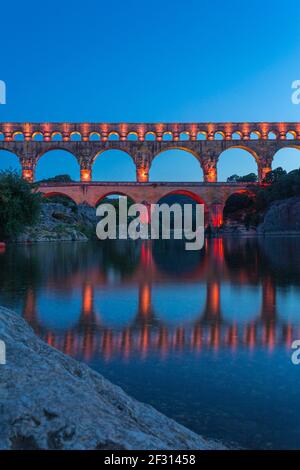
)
(19, 205)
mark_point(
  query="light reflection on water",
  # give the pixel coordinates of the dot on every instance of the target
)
(203, 336)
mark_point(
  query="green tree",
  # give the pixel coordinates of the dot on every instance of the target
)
(274, 175)
(58, 179)
(250, 178)
(19, 205)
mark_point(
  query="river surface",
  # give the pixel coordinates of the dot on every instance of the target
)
(205, 337)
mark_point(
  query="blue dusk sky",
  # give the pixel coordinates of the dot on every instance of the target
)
(150, 61)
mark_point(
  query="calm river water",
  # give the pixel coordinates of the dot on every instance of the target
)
(205, 337)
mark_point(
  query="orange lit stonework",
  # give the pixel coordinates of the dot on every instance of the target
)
(28, 175)
(85, 175)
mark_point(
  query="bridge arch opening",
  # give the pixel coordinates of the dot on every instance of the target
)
(75, 137)
(202, 135)
(239, 208)
(113, 136)
(56, 137)
(37, 137)
(94, 136)
(58, 197)
(113, 197)
(236, 135)
(237, 162)
(18, 136)
(150, 136)
(291, 135)
(219, 135)
(167, 136)
(2, 136)
(255, 135)
(287, 158)
(114, 165)
(9, 161)
(56, 162)
(182, 196)
(132, 136)
(184, 136)
(176, 165)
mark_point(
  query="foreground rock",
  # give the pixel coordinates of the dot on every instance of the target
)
(59, 222)
(50, 401)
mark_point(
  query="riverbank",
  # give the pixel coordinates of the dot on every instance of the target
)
(50, 401)
(61, 222)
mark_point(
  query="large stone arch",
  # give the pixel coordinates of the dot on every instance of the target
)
(250, 151)
(116, 151)
(10, 153)
(173, 147)
(292, 150)
(46, 153)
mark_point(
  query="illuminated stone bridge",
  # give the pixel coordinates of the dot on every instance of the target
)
(143, 142)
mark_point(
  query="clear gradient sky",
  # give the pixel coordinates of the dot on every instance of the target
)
(149, 61)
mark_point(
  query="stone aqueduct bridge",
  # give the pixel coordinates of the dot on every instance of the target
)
(143, 142)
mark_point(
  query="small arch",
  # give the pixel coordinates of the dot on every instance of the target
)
(237, 135)
(37, 137)
(184, 136)
(2, 136)
(291, 135)
(18, 136)
(56, 136)
(219, 135)
(272, 135)
(75, 136)
(255, 135)
(202, 135)
(113, 136)
(132, 136)
(178, 164)
(150, 136)
(167, 136)
(94, 136)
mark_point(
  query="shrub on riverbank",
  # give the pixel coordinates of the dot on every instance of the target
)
(251, 208)
(19, 206)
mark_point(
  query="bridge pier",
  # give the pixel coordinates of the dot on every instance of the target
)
(215, 212)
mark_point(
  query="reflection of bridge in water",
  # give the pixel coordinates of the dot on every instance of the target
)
(147, 332)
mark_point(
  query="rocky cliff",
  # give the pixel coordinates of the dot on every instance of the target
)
(282, 216)
(59, 222)
(50, 401)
